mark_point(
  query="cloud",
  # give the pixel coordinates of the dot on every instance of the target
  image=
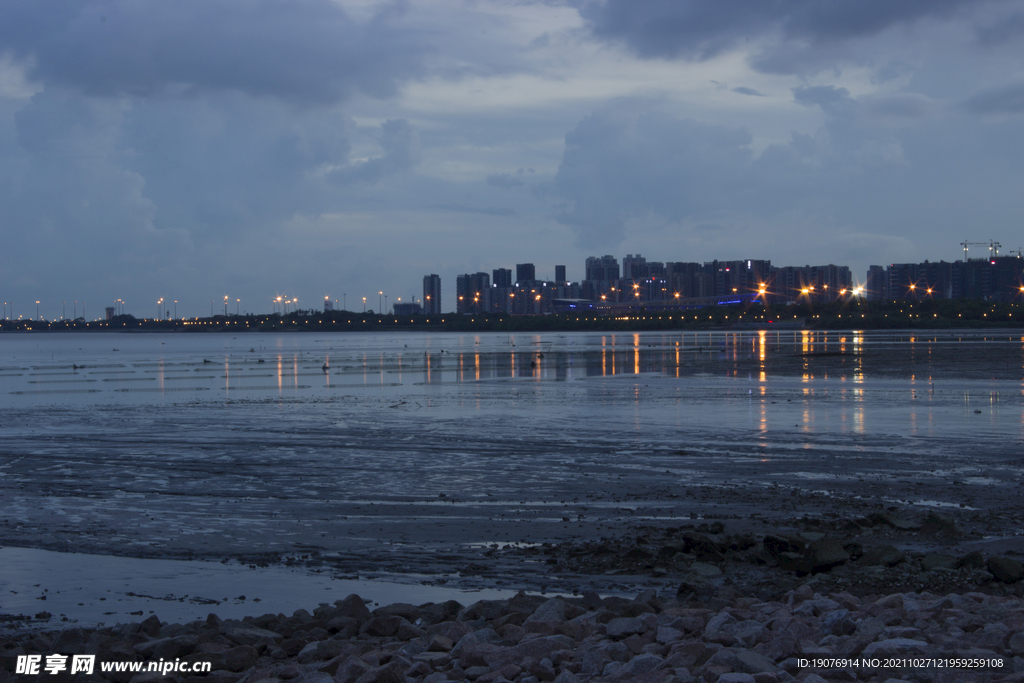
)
(302, 51)
(828, 97)
(1007, 29)
(792, 33)
(1005, 100)
(401, 148)
(618, 167)
(504, 180)
(483, 210)
(742, 90)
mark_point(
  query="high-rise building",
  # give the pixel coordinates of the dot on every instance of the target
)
(525, 272)
(560, 275)
(602, 268)
(634, 267)
(431, 294)
(473, 292)
(876, 286)
(502, 277)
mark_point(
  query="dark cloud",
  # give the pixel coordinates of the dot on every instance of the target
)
(796, 29)
(877, 172)
(1005, 100)
(1007, 29)
(747, 91)
(306, 51)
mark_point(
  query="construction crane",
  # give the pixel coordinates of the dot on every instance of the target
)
(993, 247)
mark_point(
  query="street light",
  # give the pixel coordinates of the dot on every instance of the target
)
(364, 304)
(37, 309)
(379, 295)
(225, 305)
(175, 309)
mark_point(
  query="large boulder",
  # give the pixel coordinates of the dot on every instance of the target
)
(824, 554)
(1005, 569)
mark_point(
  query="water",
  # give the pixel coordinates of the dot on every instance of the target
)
(395, 456)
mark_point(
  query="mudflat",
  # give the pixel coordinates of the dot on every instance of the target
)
(567, 463)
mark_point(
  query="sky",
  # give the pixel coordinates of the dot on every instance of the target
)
(201, 149)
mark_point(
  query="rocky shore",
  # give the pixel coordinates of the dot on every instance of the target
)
(881, 552)
(728, 605)
(667, 638)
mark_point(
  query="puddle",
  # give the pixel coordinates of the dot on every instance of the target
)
(103, 589)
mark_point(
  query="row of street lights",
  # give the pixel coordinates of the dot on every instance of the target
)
(8, 310)
(280, 304)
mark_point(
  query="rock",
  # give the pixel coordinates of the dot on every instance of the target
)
(883, 555)
(382, 626)
(701, 546)
(938, 561)
(234, 659)
(452, 630)
(392, 672)
(704, 570)
(838, 623)
(792, 562)
(1016, 644)
(937, 525)
(151, 626)
(321, 650)
(167, 648)
(552, 610)
(667, 634)
(693, 585)
(639, 665)
(471, 641)
(716, 632)
(743, 661)
(894, 519)
(972, 560)
(70, 642)
(316, 677)
(399, 609)
(1005, 569)
(353, 606)
(622, 627)
(439, 643)
(747, 633)
(248, 635)
(824, 554)
(895, 646)
(774, 545)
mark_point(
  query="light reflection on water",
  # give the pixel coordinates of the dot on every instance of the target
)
(924, 368)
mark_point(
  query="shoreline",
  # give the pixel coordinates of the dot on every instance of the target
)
(655, 637)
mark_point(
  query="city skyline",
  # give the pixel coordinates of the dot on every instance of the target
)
(311, 148)
(654, 281)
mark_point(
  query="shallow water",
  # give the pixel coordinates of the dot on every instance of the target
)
(397, 453)
(104, 589)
